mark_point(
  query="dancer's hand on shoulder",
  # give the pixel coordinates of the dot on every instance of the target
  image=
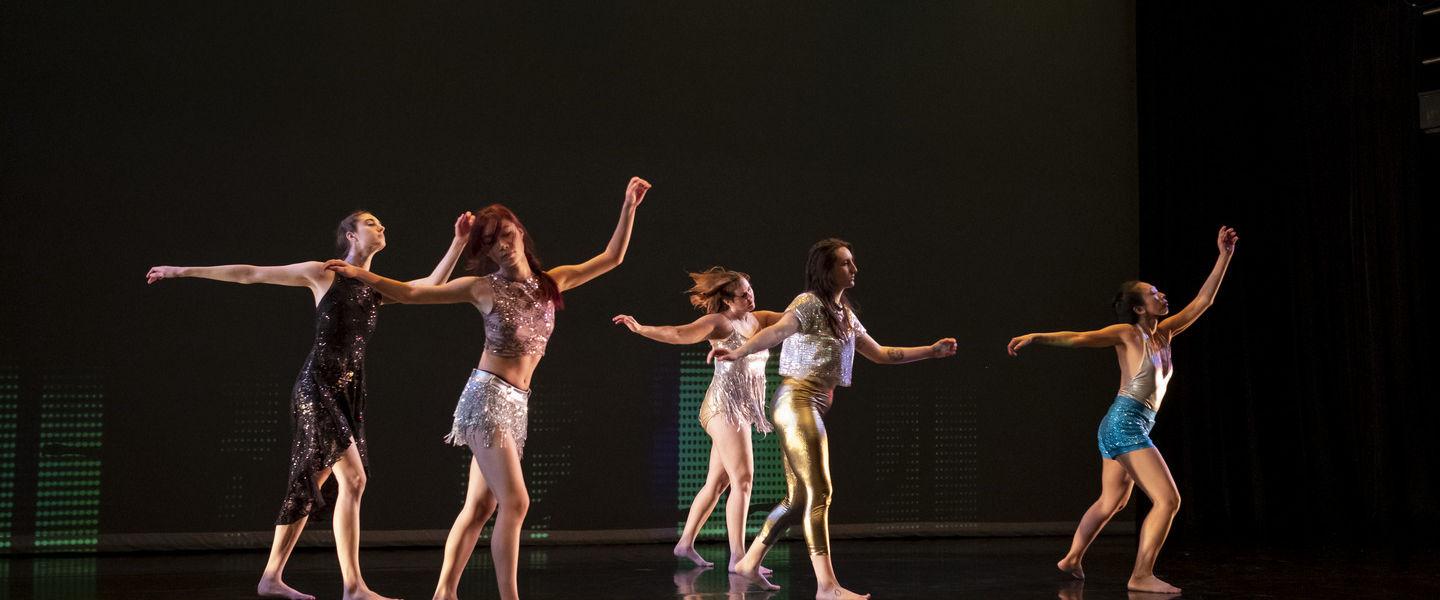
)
(943, 348)
(157, 273)
(635, 192)
(1226, 240)
(343, 268)
(1016, 343)
(628, 321)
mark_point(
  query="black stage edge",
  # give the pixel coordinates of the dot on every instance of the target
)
(991, 568)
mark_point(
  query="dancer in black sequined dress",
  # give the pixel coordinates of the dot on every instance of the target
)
(328, 401)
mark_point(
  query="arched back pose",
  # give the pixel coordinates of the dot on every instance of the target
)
(328, 400)
(1142, 347)
(821, 335)
(518, 299)
(734, 401)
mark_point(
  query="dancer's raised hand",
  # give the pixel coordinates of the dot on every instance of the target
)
(1226, 240)
(635, 192)
(943, 347)
(463, 224)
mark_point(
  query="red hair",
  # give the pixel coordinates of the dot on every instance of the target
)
(477, 249)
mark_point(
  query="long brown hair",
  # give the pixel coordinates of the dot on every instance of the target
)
(708, 293)
(817, 281)
(477, 249)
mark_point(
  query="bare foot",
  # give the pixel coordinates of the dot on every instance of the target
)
(364, 594)
(755, 576)
(838, 593)
(1071, 568)
(688, 552)
(274, 588)
(1150, 584)
(763, 571)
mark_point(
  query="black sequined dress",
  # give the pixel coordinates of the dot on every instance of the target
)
(328, 401)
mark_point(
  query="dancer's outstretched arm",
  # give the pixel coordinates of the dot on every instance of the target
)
(1182, 320)
(442, 271)
(305, 274)
(709, 327)
(573, 276)
(1114, 335)
(465, 290)
(764, 339)
(887, 355)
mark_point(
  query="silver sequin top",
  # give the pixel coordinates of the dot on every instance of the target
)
(519, 323)
(738, 388)
(814, 352)
(1148, 384)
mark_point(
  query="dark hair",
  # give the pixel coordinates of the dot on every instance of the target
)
(1126, 300)
(477, 249)
(348, 225)
(817, 281)
(708, 293)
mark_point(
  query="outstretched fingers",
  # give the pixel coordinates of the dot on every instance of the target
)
(626, 320)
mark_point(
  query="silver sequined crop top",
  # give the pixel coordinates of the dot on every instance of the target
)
(1148, 384)
(814, 352)
(519, 323)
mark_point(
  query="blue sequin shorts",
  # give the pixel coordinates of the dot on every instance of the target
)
(1125, 428)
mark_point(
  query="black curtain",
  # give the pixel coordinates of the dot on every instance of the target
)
(1300, 405)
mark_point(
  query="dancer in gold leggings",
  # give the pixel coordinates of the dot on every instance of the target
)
(821, 335)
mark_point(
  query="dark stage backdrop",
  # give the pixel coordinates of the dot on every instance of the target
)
(982, 157)
(1300, 410)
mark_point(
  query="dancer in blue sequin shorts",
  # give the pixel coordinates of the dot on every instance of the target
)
(1141, 341)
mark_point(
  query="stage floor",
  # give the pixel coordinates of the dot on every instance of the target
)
(890, 569)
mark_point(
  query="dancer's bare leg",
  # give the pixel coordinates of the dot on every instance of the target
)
(1149, 470)
(1115, 486)
(500, 466)
(350, 474)
(479, 505)
(733, 446)
(272, 584)
(705, 500)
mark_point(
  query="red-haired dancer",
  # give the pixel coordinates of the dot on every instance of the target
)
(517, 297)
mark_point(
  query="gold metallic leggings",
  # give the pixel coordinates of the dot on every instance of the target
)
(800, 406)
